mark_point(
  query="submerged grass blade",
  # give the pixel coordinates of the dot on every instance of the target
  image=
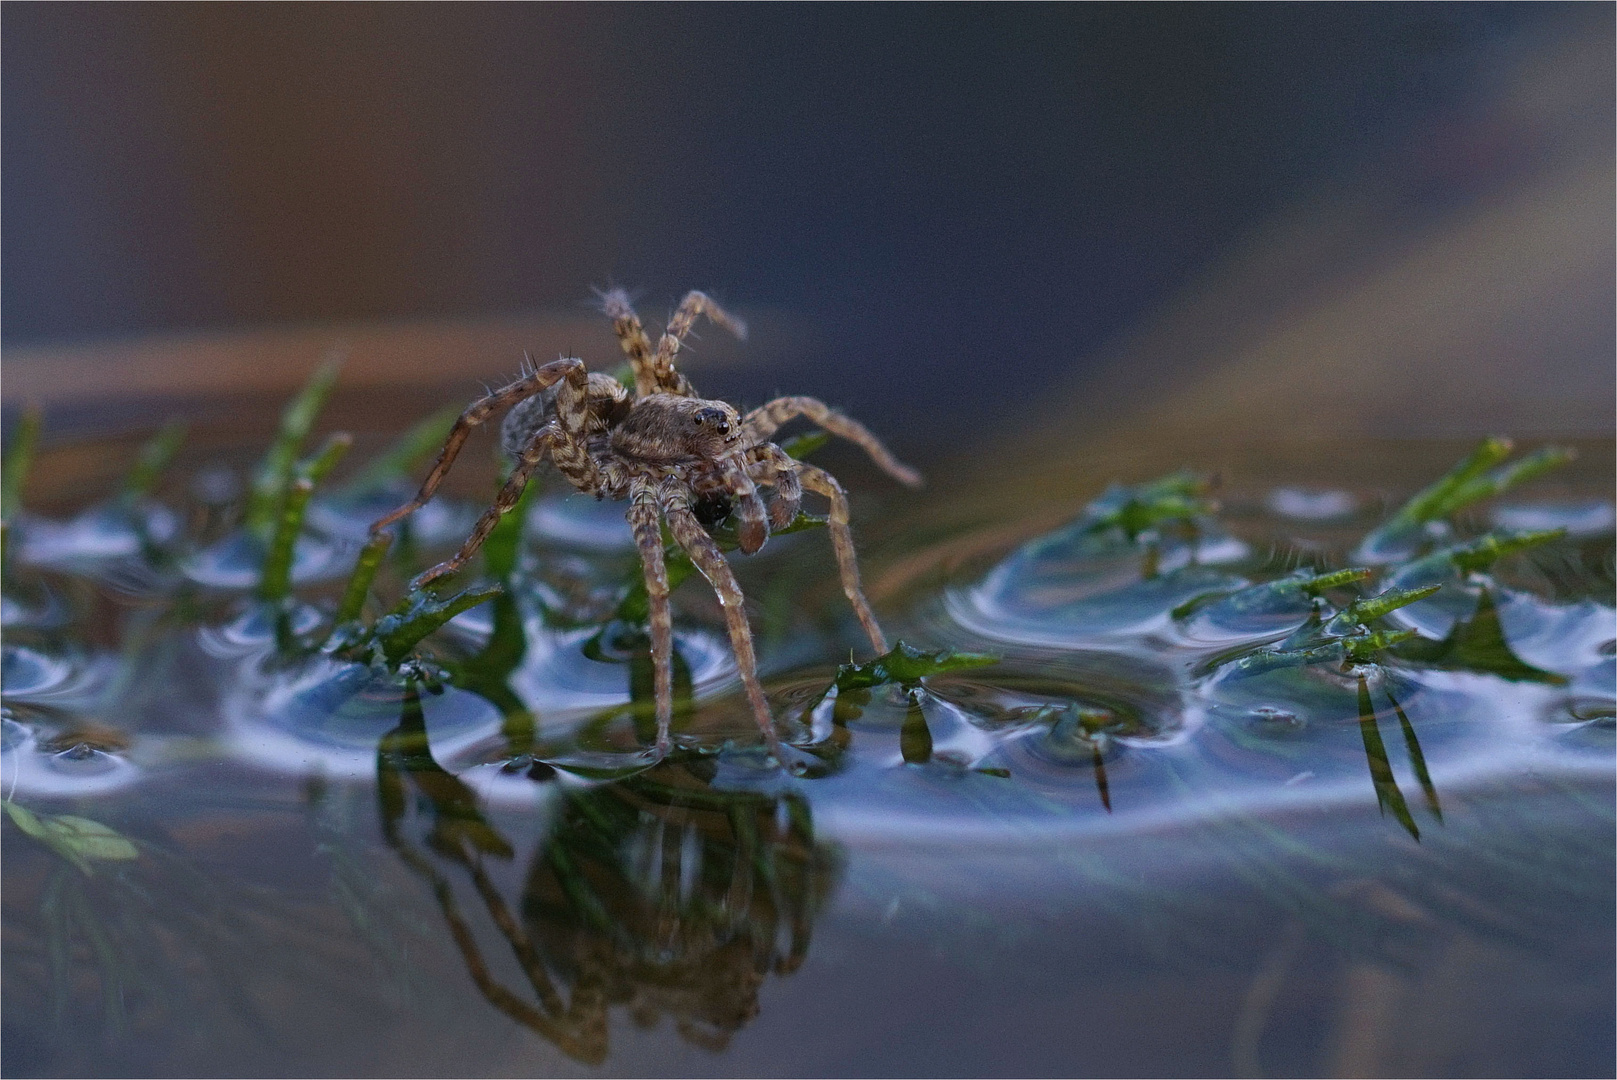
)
(1416, 758)
(1375, 753)
(153, 458)
(275, 472)
(19, 456)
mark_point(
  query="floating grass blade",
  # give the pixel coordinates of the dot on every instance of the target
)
(907, 665)
(1470, 481)
(370, 559)
(1375, 753)
(1273, 594)
(19, 456)
(405, 453)
(1363, 648)
(1272, 659)
(153, 458)
(400, 631)
(1484, 551)
(275, 472)
(1370, 608)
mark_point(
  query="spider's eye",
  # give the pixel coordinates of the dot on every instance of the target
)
(714, 419)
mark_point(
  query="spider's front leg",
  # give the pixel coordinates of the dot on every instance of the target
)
(675, 500)
(823, 483)
(571, 369)
(643, 520)
(763, 422)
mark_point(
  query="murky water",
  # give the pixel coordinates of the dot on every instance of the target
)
(1198, 819)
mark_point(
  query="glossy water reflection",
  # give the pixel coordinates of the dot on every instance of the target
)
(1210, 772)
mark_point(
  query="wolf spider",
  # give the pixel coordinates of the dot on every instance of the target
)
(672, 455)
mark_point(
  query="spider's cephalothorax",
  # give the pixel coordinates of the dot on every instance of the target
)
(676, 458)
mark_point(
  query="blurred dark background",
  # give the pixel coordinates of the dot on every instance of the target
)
(969, 201)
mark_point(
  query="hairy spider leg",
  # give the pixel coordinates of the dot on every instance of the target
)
(510, 494)
(710, 561)
(570, 368)
(763, 421)
(823, 483)
(696, 303)
(644, 520)
(770, 465)
(632, 337)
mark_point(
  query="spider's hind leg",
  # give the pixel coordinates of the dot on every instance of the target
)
(632, 337)
(476, 413)
(510, 494)
(696, 303)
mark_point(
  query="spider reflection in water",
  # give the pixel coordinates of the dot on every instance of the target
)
(670, 454)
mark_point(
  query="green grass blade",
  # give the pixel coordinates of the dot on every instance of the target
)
(152, 460)
(370, 559)
(405, 453)
(275, 582)
(1388, 797)
(275, 472)
(19, 456)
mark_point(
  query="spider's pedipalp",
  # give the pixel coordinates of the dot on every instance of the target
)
(823, 483)
(510, 494)
(710, 561)
(763, 422)
(644, 518)
(770, 465)
(751, 525)
(569, 368)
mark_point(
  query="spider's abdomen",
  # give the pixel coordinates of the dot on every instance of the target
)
(608, 404)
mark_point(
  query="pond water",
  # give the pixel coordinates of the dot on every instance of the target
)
(1203, 816)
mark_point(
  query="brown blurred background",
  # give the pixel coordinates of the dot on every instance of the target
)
(1394, 218)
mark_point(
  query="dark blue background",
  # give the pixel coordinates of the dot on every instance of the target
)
(996, 188)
